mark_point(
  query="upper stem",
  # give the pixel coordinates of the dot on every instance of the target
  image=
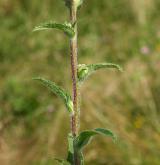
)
(74, 63)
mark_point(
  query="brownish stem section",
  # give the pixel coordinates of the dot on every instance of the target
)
(74, 64)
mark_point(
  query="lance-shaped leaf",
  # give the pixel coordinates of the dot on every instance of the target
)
(85, 137)
(84, 71)
(65, 27)
(62, 162)
(58, 91)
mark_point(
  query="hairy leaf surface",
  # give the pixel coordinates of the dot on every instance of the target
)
(84, 71)
(65, 27)
(84, 137)
(58, 91)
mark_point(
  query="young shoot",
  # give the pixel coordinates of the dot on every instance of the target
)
(80, 72)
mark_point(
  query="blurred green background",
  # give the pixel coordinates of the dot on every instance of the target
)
(34, 123)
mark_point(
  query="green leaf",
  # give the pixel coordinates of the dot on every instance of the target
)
(65, 27)
(62, 162)
(70, 157)
(84, 137)
(59, 92)
(84, 71)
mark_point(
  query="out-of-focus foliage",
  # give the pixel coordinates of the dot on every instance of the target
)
(32, 128)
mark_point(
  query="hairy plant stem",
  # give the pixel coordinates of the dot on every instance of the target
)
(74, 64)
